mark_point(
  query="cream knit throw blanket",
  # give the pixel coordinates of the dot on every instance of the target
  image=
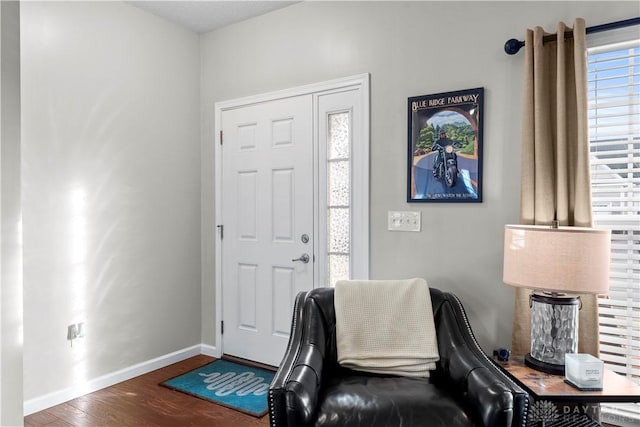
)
(386, 327)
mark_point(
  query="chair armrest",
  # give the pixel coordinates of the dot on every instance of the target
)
(491, 397)
(293, 393)
(470, 374)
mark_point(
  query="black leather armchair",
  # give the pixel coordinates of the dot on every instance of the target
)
(466, 389)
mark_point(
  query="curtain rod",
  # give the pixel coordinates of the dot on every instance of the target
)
(513, 46)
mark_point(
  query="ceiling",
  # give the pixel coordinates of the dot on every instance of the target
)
(202, 16)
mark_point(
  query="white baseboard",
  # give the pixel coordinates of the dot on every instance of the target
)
(61, 396)
(209, 350)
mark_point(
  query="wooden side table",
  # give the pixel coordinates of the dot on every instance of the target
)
(551, 389)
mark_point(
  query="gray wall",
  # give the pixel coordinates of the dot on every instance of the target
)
(111, 200)
(10, 219)
(409, 48)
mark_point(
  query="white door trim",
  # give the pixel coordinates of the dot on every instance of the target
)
(360, 233)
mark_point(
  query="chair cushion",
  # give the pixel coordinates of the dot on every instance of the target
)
(367, 400)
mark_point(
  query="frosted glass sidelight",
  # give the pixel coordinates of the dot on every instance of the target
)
(338, 268)
(339, 146)
(339, 230)
(338, 197)
(339, 183)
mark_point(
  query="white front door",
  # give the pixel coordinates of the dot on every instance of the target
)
(267, 217)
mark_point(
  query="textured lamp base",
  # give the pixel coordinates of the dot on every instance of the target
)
(549, 368)
(554, 331)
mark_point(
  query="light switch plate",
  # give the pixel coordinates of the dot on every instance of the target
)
(403, 221)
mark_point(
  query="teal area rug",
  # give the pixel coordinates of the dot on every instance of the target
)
(229, 384)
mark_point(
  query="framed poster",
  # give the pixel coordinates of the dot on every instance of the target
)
(445, 147)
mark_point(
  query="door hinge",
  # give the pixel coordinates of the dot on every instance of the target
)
(221, 137)
(221, 327)
(221, 228)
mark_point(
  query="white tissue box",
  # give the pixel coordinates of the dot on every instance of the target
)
(583, 371)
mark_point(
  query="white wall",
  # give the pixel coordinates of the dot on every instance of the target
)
(10, 220)
(111, 196)
(410, 48)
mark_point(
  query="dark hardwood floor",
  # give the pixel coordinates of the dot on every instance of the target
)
(142, 401)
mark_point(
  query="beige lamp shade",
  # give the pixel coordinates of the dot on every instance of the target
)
(563, 259)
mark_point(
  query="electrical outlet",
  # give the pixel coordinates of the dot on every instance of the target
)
(72, 332)
(404, 221)
(75, 331)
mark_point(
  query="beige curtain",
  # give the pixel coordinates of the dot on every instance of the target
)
(556, 183)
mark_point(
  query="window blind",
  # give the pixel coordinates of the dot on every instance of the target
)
(614, 131)
(614, 134)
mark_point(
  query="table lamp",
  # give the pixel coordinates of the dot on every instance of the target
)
(555, 261)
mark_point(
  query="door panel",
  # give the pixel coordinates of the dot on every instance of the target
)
(267, 205)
